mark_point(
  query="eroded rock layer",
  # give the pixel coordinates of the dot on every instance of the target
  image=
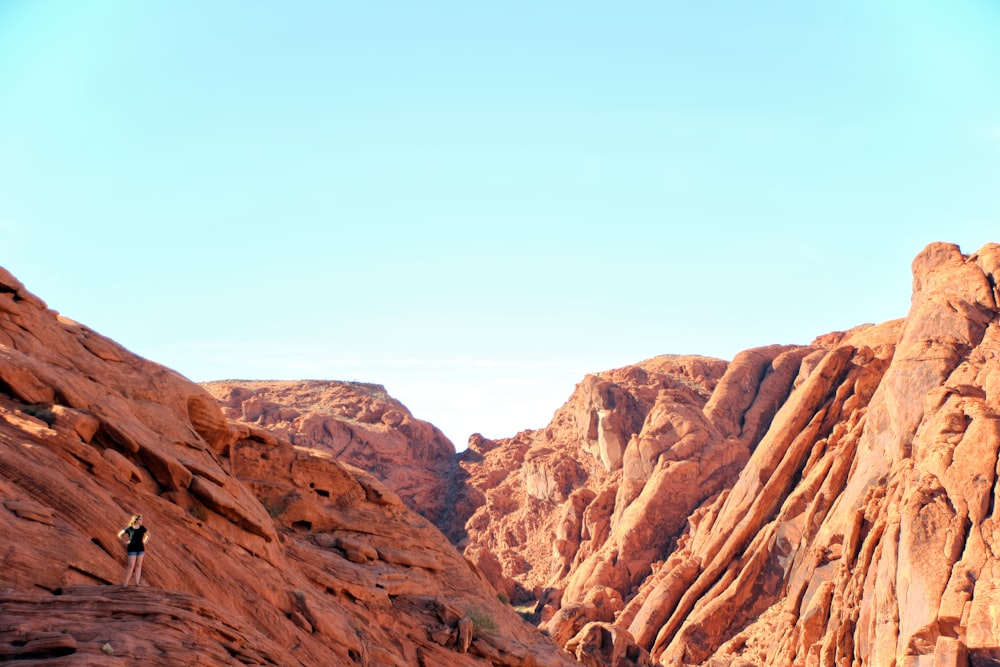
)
(815, 505)
(829, 504)
(261, 552)
(358, 423)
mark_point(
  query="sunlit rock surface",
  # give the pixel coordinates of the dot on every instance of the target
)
(357, 423)
(824, 504)
(830, 503)
(261, 552)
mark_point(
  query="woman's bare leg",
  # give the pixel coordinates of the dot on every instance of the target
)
(138, 568)
(129, 569)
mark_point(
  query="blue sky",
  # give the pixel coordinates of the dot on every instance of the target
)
(475, 204)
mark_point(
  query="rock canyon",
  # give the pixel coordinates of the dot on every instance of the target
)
(821, 504)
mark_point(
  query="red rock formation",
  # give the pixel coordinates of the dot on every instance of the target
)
(592, 502)
(359, 424)
(548, 498)
(262, 552)
(820, 505)
(829, 504)
(861, 528)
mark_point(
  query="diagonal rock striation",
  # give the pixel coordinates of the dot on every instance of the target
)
(261, 553)
(828, 504)
(809, 505)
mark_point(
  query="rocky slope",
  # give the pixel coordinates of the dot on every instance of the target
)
(821, 504)
(801, 505)
(357, 423)
(262, 552)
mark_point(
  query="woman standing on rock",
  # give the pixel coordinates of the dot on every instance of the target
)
(135, 536)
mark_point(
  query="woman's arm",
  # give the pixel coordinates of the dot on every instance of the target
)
(145, 538)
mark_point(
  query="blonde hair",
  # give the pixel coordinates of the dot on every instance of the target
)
(135, 517)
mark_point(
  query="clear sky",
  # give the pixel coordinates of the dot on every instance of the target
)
(475, 204)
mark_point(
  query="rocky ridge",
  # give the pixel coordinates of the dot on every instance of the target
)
(821, 504)
(262, 552)
(357, 423)
(827, 504)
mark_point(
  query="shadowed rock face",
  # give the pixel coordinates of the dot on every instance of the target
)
(800, 505)
(261, 552)
(357, 423)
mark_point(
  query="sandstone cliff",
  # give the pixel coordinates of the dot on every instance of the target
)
(357, 423)
(829, 504)
(821, 504)
(262, 552)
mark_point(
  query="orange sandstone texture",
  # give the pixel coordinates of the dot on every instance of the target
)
(356, 422)
(821, 504)
(829, 504)
(262, 552)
